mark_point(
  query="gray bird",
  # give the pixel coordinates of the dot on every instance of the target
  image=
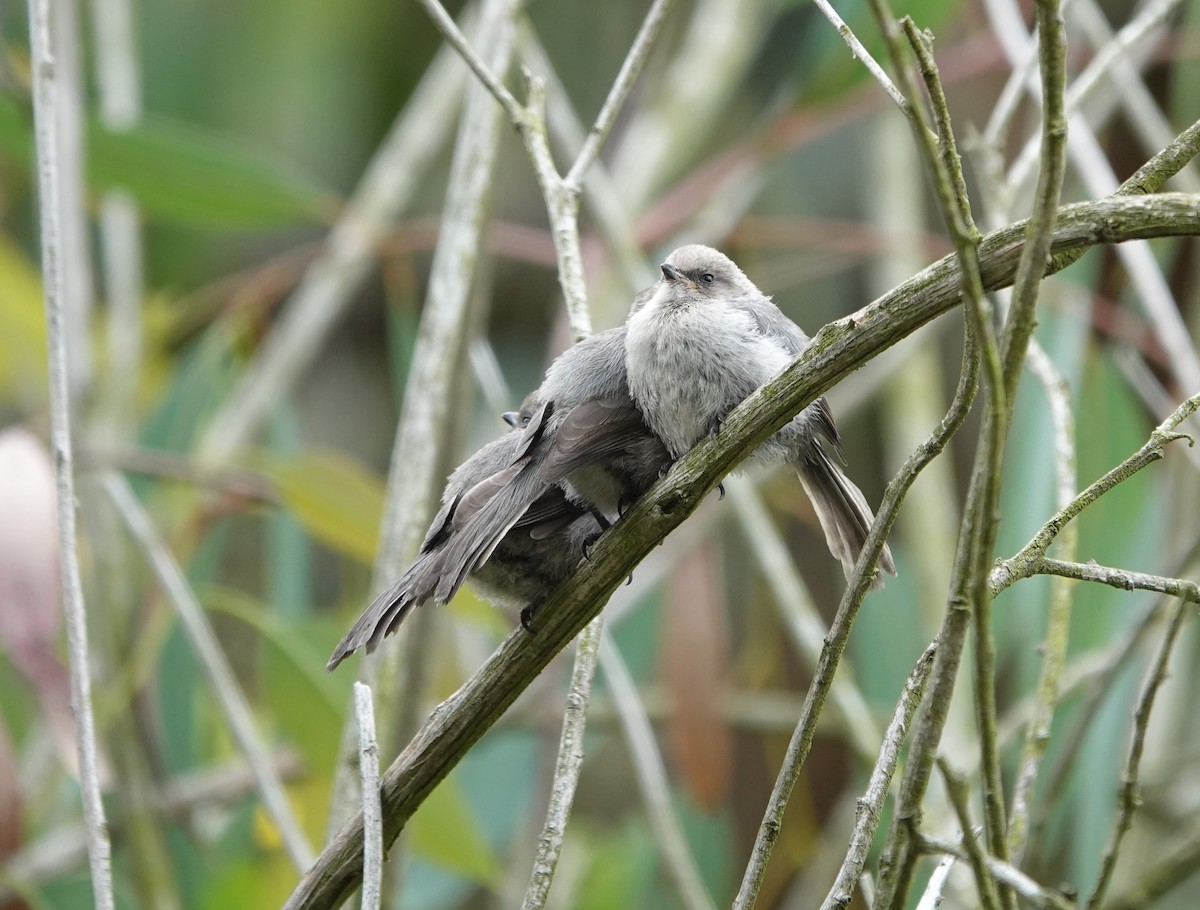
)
(518, 515)
(705, 340)
(537, 550)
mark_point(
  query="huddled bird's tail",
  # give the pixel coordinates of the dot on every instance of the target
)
(842, 510)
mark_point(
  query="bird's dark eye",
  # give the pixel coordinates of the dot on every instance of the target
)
(707, 278)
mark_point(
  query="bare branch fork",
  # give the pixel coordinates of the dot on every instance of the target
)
(561, 193)
(836, 351)
(1032, 560)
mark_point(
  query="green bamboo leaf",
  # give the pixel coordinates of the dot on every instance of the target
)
(183, 173)
(445, 832)
(335, 498)
(620, 869)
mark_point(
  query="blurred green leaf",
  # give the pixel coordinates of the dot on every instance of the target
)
(22, 325)
(183, 173)
(622, 866)
(305, 702)
(335, 498)
(445, 831)
(837, 70)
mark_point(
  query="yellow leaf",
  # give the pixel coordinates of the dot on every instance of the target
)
(334, 497)
(22, 327)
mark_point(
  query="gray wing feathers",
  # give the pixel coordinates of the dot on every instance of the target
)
(842, 510)
(513, 490)
(592, 433)
(773, 323)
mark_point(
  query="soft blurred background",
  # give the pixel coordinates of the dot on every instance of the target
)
(226, 141)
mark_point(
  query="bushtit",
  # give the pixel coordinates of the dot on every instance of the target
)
(538, 549)
(704, 341)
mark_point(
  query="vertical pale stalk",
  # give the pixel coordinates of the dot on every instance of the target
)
(119, 87)
(368, 764)
(652, 780)
(55, 263)
(77, 288)
(203, 640)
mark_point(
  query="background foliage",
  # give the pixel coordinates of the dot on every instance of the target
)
(260, 118)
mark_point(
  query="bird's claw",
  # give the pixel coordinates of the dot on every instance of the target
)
(720, 492)
(589, 543)
(527, 619)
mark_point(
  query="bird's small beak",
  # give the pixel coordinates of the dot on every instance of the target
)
(670, 272)
(512, 418)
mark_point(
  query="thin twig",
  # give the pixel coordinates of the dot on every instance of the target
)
(483, 72)
(621, 87)
(863, 56)
(1018, 565)
(368, 764)
(1053, 649)
(945, 169)
(870, 804)
(567, 766)
(1036, 895)
(1127, 796)
(1018, 331)
(1124, 579)
(931, 897)
(46, 113)
(561, 195)
(208, 650)
(956, 788)
(1052, 48)
(652, 780)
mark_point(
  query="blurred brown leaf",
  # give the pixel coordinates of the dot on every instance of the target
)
(696, 666)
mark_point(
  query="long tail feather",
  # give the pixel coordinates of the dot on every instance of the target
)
(842, 510)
